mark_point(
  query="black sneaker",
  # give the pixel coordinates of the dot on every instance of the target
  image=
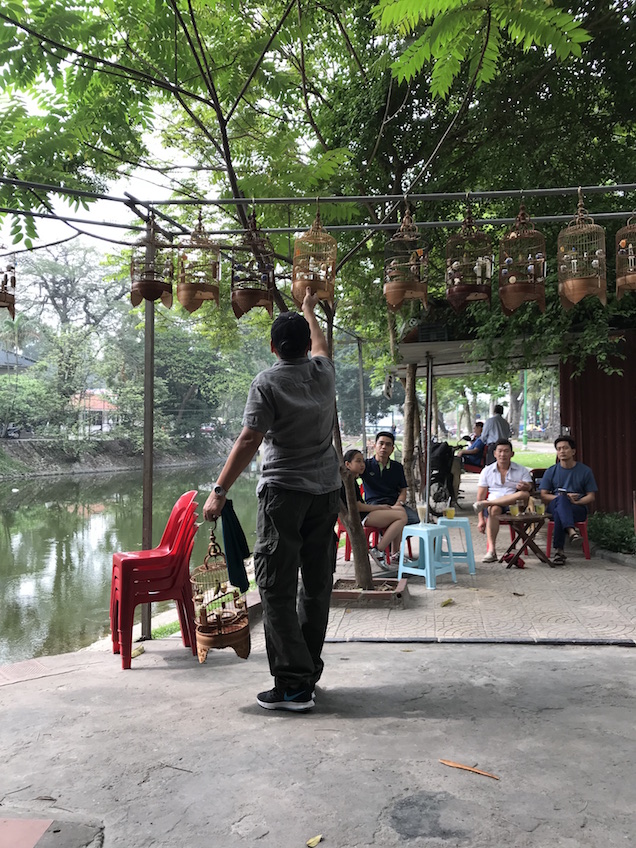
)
(296, 700)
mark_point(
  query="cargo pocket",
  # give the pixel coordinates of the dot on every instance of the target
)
(267, 537)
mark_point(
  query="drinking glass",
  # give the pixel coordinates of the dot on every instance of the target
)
(514, 509)
(449, 512)
(421, 511)
(541, 508)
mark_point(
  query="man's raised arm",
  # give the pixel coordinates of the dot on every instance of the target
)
(319, 345)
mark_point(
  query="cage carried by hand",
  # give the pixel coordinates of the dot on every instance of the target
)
(221, 614)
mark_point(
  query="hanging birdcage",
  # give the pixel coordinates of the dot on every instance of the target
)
(221, 614)
(469, 265)
(199, 270)
(581, 259)
(405, 265)
(7, 285)
(626, 258)
(522, 265)
(253, 277)
(152, 269)
(314, 263)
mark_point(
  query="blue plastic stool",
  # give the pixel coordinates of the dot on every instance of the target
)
(463, 525)
(430, 562)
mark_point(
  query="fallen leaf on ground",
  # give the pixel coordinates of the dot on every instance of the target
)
(314, 841)
(468, 768)
(407, 650)
(138, 652)
(519, 594)
(447, 603)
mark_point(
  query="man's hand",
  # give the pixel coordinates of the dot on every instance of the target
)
(574, 496)
(524, 487)
(310, 300)
(481, 524)
(399, 506)
(213, 507)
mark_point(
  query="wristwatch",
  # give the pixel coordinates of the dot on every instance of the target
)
(219, 490)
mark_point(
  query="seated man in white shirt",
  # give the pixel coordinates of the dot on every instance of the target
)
(501, 484)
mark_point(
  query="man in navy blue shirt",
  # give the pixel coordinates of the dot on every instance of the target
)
(383, 478)
(567, 488)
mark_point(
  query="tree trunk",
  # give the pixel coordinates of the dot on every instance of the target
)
(515, 404)
(350, 516)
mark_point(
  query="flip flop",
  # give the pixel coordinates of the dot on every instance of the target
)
(557, 559)
(576, 538)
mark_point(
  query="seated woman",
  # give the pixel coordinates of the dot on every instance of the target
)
(391, 520)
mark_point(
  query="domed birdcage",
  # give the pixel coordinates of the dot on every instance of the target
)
(253, 278)
(314, 263)
(581, 259)
(405, 265)
(7, 285)
(152, 269)
(199, 270)
(221, 615)
(626, 258)
(469, 265)
(522, 265)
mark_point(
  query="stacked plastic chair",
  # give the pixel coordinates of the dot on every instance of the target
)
(159, 574)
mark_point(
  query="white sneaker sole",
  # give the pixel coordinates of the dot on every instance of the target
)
(290, 706)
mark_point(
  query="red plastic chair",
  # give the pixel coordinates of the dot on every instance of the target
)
(372, 535)
(184, 505)
(157, 575)
(581, 526)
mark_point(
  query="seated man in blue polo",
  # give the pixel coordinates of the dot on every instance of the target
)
(473, 455)
(567, 488)
(383, 478)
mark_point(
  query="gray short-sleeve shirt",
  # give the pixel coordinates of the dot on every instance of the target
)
(294, 404)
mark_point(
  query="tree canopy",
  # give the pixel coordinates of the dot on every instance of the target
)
(262, 99)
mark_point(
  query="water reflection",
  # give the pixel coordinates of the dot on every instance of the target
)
(57, 539)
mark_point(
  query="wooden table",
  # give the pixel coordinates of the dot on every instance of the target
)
(525, 527)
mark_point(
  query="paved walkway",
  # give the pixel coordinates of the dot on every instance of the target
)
(585, 601)
(175, 752)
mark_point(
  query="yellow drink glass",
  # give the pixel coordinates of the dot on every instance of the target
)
(541, 508)
(449, 512)
(514, 509)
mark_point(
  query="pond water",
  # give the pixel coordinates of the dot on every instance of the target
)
(57, 542)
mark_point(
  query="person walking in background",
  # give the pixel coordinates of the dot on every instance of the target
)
(495, 428)
(568, 488)
(291, 409)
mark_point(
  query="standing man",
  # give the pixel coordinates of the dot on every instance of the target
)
(504, 483)
(567, 488)
(495, 428)
(291, 407)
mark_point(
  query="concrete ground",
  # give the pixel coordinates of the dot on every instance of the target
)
(174, 752)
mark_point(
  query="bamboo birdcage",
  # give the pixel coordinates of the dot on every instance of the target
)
(522, 265)
(199, 270)
(253, 278)
(221, 615)
(7, 285)
(405, 265)
(469, 265)
(626, 258)
(151, 269)
(581, 259)
(314, 263)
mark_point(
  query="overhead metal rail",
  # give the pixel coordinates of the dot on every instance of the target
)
(621, 188)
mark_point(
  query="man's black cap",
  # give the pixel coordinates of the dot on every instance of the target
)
(290, 335)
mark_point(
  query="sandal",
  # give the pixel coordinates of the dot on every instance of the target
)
(558, 559)
(576, 538)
